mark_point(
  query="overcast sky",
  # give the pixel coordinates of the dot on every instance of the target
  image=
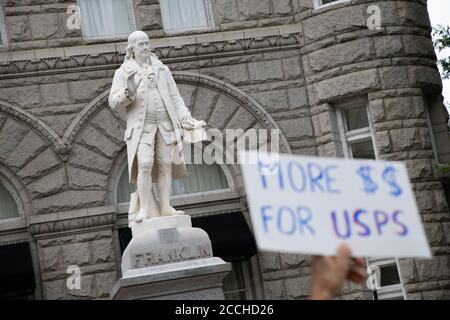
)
(440, 14)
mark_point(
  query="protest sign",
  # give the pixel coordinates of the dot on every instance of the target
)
(310, 205)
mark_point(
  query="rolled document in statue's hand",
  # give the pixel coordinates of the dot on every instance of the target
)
(199, 124)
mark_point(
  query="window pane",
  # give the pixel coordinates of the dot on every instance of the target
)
(103, 18)
(327, 1)
(389, 275)
(362, 150)
(125, 189)
(201, 178)
(1, 27)
(446, 185)
(393, 298)
(8, 207)
(16, 272)
(356, 118)
(183, 14)
(234, 284)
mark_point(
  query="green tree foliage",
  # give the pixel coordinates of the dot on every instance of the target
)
(441, 35)
(441, 41)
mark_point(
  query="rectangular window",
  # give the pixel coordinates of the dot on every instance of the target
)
(237, 284)
(356, 134)
(446, 185)
(2, 30)
(16, 272)
(106, 18)
(183, 15)
(388, 278)
(355, 130)
(322, 3)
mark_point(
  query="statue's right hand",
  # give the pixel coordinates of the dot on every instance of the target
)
(133, 85)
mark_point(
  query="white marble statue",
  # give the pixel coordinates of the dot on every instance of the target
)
(157, 119)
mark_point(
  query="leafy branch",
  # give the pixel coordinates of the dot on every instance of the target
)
(441, 36)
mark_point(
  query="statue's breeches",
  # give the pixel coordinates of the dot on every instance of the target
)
(152, 143)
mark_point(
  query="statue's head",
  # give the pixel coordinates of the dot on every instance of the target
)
(138, 45)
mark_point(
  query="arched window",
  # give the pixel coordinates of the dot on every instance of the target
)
(8, 206)
(201, 178)
(18, 254)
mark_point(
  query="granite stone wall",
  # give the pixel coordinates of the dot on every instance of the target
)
(32, 24)
(265, 64)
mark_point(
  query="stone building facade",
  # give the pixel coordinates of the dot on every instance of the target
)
(302, 66)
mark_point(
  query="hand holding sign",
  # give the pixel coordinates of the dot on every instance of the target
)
(310, 205)
(329, 273)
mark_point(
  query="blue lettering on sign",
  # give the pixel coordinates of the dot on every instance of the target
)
(356, 219)
(381, 220)
(304, 220)
(348, 232)
(404, 228)
(363, 223)
(268, 170)
(389, 178)
(315, 175)
(300, 177)
(330, 179)
(286, 214)
(293, 178)
(265, 217)
(369, 185)
(288, 220)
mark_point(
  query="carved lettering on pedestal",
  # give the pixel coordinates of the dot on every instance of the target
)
(158, 256)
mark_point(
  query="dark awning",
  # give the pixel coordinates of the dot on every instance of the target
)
(231, 237)
(16, 271)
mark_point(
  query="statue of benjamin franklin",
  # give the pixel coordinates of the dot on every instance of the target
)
(156, 118)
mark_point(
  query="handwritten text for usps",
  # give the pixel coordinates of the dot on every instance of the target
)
(310, 205)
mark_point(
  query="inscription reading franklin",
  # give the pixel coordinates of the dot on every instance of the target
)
(156, 256)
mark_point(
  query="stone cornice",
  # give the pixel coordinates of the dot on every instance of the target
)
(69, 221)
(173, 49)
(60, 226)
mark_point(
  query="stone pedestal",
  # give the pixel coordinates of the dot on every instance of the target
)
(168, 259)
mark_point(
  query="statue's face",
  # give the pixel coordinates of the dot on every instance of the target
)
(142, 47)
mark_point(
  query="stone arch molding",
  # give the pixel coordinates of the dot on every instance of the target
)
(222, 104)
(40, 127)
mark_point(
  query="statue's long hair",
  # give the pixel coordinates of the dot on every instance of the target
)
(129, 54)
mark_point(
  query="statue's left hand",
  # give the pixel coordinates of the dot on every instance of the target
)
(190, 123)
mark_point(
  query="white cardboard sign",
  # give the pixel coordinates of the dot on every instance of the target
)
(310, 205)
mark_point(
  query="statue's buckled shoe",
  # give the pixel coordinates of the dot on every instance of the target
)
(171, 212)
